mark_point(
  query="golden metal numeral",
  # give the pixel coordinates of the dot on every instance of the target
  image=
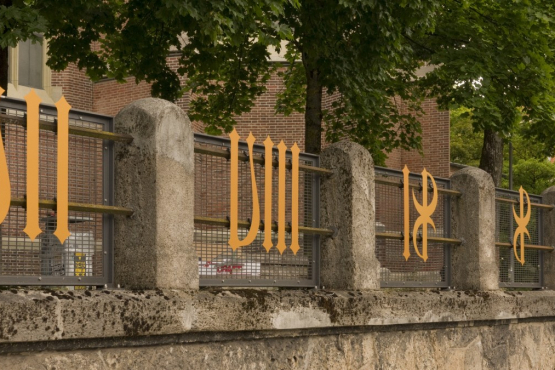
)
(32, 229)
(62, 231)
(5, 186)
(234, 241)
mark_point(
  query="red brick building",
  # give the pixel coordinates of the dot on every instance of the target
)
(108, 97)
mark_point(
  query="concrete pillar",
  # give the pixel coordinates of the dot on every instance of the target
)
(348, 259)
(154, 176)
(548, 197)
(475, 265)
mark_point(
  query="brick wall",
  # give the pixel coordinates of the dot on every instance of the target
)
(435, 143)
(108, 97)
(76, 87)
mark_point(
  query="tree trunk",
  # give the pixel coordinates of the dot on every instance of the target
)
(491, 160)
(313, 110)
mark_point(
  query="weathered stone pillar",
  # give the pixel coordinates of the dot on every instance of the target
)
(474, 264)
(154, 176)
(348, 259)
(548, 197)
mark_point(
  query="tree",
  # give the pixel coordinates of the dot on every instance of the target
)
(531, 168)
(466, 143)
(534, 175)
(118, 39)
(495, 58)
(355, 49)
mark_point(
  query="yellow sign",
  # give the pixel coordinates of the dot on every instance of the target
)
(32, 228)
(80, 266)
(425, 211)
(234, 241)
(522, 223)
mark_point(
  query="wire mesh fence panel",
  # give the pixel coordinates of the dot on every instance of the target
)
(395, 271)
(513, 274)
(252, 265)
(84, 259)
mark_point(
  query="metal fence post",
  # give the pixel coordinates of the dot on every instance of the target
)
(473, 215)
(548, 197)
(348, 259)
(154, 176)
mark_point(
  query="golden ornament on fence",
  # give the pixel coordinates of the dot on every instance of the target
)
(234, 241)
(425, 211)
(522, 222)
(32, 228)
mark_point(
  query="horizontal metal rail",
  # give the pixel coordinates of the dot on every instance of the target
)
(527, 246)
(80, 131)
(434, 239)
(549, 207)
(258, 159)
(79, 207)
(247, 224)
(399, 184)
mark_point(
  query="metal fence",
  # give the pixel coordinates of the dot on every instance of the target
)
(251, 265)
(85, 258)
(513, 274)
(395, 271)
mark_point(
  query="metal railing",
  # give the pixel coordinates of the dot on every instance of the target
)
(86, 257)
(252, 265)
(395, 271)
(513, 274)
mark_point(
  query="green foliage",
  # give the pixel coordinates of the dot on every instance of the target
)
(19, 21)
(531, 169)
(359, 51)
(496, 58)
(534, 175)
(466, 143)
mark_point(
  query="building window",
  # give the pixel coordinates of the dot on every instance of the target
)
(30, 64)
(27, 66)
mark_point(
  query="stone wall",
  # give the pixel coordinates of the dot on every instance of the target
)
(287, 329)
(490, 346)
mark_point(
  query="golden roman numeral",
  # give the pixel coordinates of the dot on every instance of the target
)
(32, 229)
(234, 241)
(295, 199)
(268, 170)
(5, 186)
(281, 198)
(62, 232)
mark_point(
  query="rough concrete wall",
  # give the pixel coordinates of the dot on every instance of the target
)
(287, 329)
(348, 259)
(506, 346)
(154, 176)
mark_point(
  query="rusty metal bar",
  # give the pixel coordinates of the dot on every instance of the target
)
(246, 224)
(80, 131)
(548, 207)
(258, 159)
(527, 246)
(399, 184)
(79, 207)
(434, 239)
